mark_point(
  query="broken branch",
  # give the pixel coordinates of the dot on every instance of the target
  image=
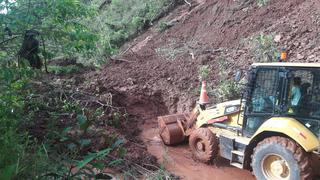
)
(187, 2)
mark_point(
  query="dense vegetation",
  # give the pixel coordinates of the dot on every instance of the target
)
(86, 30)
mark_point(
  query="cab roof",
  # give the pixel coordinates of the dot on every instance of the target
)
(287, 64)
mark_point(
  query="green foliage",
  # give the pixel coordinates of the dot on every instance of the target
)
(64, 70)
(75, 28)
(262, 2)
(60, 24)
(163, 26)
(115, 121)
(70, 107)
(22, 112)
(122, 20)
(227, 89)
(204, 72)
(61, 27)
(263, 48)
(97, 155)
(14, 156)
(67, 28)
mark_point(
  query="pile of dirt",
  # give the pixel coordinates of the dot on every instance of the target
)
(165, 64)
(60, 96)
(157, 73)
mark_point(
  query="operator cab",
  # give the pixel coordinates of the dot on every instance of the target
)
(282, 90)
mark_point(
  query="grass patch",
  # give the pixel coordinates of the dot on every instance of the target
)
(163, 26)
(64, 70)
(262, 2)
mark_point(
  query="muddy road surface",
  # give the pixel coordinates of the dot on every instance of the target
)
(178, 159)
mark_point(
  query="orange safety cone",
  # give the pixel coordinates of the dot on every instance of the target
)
(204, 98)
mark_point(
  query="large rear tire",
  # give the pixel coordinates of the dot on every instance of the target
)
(204, 145)
(279, 158)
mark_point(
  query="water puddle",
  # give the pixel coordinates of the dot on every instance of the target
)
(178, 159)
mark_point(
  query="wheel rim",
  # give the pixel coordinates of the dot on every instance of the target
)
(275, 167)
(200, 146)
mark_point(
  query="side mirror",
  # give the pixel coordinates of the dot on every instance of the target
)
(238, 76)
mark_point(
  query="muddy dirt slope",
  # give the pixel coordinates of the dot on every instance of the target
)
(164, 65)
(158, 70)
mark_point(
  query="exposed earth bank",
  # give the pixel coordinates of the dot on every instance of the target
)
(157, 72)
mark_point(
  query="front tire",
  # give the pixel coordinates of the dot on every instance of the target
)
(203, 144)
(279, 158)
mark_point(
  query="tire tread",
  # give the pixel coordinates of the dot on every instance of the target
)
(299, 154)
(211, 142)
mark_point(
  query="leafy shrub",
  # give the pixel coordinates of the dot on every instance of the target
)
(15, 158)
(203, 72)
(116, 119)
(227, 89)
(263, 48)
(262, 2)
(64, 70)
(163, 26)
(122, 20)
(60, 24)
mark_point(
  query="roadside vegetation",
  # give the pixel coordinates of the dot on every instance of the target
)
(227, 89)
(262, 2)
(121, 20)
(49, 129)
(263, 48)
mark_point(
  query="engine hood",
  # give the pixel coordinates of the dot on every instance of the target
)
(219, 110)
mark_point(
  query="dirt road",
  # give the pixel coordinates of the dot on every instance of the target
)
(178, 160)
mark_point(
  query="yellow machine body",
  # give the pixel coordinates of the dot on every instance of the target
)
(237, 140)
(283, 125)
(234, 117)
(291, 128)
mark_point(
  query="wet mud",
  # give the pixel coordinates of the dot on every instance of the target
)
(178, 159)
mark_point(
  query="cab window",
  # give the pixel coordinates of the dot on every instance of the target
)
(265, 91)
(302, 95)
(303, 98)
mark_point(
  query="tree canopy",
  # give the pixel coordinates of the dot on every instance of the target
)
(68, 28)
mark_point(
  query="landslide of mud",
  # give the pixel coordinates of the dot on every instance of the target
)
(166, 63)
(158, 71)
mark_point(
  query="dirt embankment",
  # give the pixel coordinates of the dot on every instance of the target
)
(160, 74)
(166, 64)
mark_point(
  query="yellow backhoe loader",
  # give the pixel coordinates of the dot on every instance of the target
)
(273, 129)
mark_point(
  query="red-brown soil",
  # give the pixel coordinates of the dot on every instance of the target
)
(160, 74)
(178, 160)
(211, 30)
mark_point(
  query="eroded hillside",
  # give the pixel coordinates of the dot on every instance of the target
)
(157, 72)
(164, 64)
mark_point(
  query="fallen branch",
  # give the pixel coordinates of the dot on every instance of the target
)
(119, 59)
(129, 164)
(10, 39)
(129, 48)
(104, 4)
(187, 2)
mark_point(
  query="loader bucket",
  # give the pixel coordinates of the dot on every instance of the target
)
(171, 128)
